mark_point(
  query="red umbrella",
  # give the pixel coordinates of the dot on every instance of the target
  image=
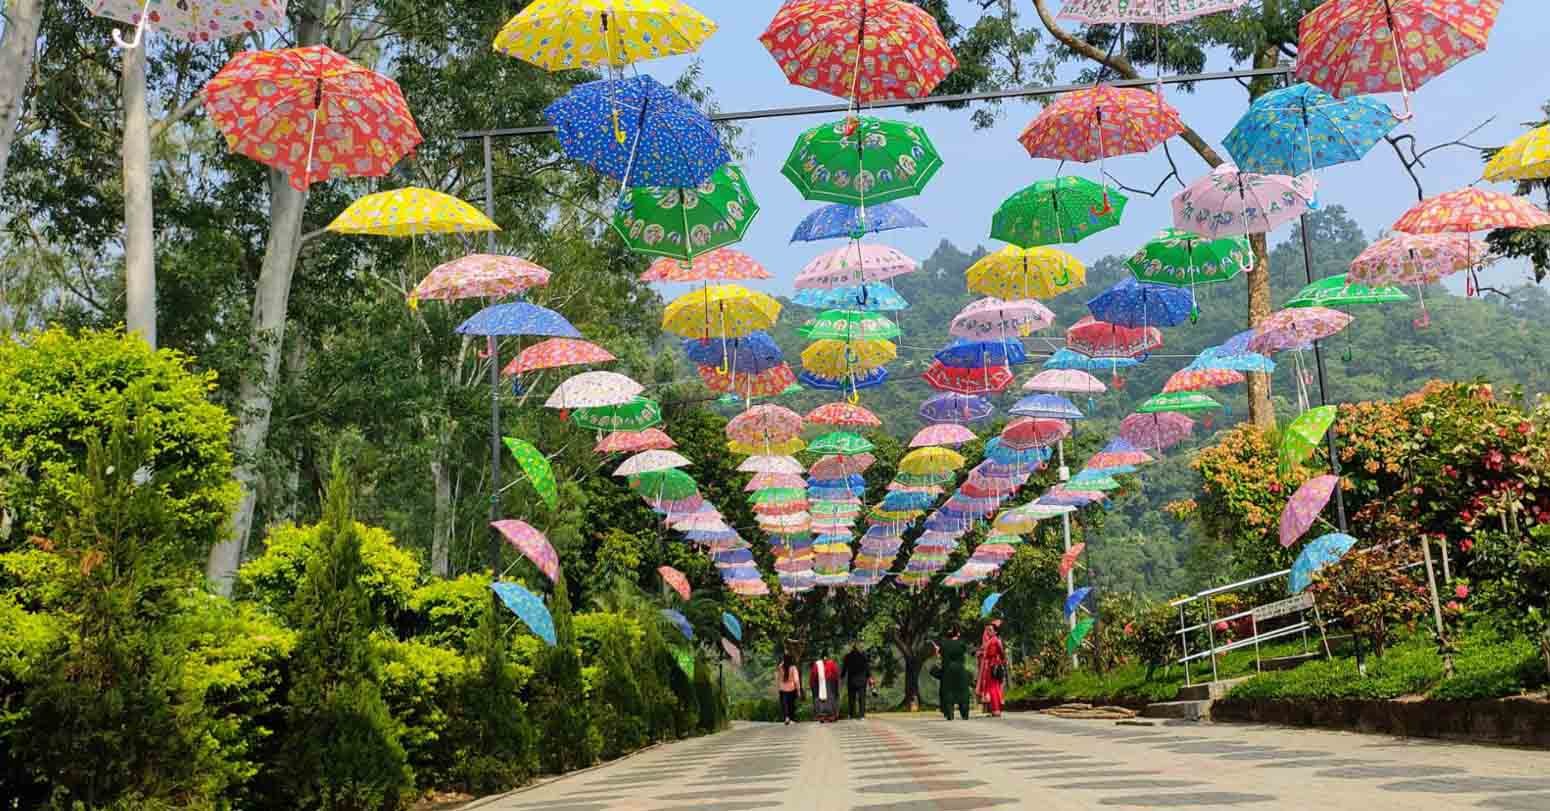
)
(843, 415)
(967, 381)
(721, 264)
(1468, 210)
(1068, 560)
(768, 383)
(1100, 339)
(675, 579)
(650, 439)
(870, 50)
(557, 352)
(1034, 432)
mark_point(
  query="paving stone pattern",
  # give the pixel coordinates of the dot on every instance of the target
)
(924, 763)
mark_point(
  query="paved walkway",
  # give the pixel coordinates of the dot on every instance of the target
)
(923, 763)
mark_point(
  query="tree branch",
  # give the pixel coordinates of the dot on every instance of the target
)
(1417, 157)
(183, 111)
(1173, 174)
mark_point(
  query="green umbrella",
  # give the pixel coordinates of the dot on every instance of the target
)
(1184, 402)
(684, 656)
(669, 485)
(638, 414)
(1010, 540)
(861, 160)
(1304, 435)
(777, 495)
(1098, 482)
(1074, 639)
(844, 443)
(537, 469)
(1334, 291)
(1183, 259)
(1050, 212)
(849, 325)
(684, 223)
(794, 388)
(828, 509)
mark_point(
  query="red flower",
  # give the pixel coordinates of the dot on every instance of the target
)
(1462, 591)
(1130, 629)
(1221, 625)
(1467, 544)
(1524, 427)
(1454, 606)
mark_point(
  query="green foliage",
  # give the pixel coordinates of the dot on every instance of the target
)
(562, 711)
(493, 746)
(449, 612)
(388, 575)
(1371, 592)
(613, 643)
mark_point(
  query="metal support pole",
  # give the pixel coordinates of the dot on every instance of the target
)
(495, 399)
(1065, 531)
(1431, 582)
(1318, 359)
(1184, 640)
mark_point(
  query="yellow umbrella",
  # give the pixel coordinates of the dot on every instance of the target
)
(720, 311)
(834, 359)
(1526, 158)
(789, 447)
(408, 212)
(930, 461)
(1014, 522)
(896, 516)
(567, 34)
(1018, 273)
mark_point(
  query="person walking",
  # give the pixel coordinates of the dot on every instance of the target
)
(824, 678)
(856, 670)
(992, 668)
(789, 681)
(954, 689)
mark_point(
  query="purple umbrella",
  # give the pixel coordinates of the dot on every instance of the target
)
(1305, 505)
(1156, 431)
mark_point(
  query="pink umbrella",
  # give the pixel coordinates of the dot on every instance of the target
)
(770, 464)
(634, 442)
(704, 521)
(835, 466)
(1227, 202)
(557, 352)
(479, 275)
(843, 415)
(853, 264)
(1068, 560)
(763, 424)
(721, 264)
(1156, 431)
(676, 580)
(532, 544)
(792, 523)
(594, 390)
(748, 588)
(650, 462)
(944, 433)
(731, 650)
(1402, 258)
(1034, 432)
(792, 508)
(1305, 505)
(1188, 379)
(1098, 122)
(1296, 326)
(932, 489)
(1065, 381)
(767, 481)
(997, 319)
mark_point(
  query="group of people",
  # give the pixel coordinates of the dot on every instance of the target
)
(824, 677)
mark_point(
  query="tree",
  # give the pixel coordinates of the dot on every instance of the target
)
(18, 46)
(1370, 592)
(563, 715)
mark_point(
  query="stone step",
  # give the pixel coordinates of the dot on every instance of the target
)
(1209, 690)
(1183, 710)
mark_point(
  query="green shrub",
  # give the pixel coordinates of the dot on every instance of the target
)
(490, 740)
(562, 713)
(707, 700)
(273, 579)
(611, 647)
(448, 612)
(418, 681)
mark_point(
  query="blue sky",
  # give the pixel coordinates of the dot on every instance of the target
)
(982, 167)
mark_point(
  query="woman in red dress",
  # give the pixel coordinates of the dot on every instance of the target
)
(992, 668)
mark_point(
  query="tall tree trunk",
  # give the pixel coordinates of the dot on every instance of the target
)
(18, 47)
(139, 228)
(1261, 413)
(912, 667)
(441, 524)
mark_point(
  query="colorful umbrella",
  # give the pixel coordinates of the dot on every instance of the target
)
(752, 353)
(1120, 452)
(636, 414)
(1301, 128)
(849, 325)
(770, 464)
(683, 223)
(963, 354)
(518, 318)
(1338, 291)
(840, 442)
(720, 311)
(1320, 552)
(765, 423)
(1185, 259)
(1419, 259)
(1034, 432)
(1101, 339)
(843, 415)
(679, 621)
(555, 353)
(1227, 201)
(1094, 481)
(719, 264)
(528, 608)
(196, 21)
(1084, 626)
(1191, 378)
(634, 442)
(951, 407)
(311, 114)
(838, 220)
(871, 296)
(1075, 598)
(1305, 433)
(869, 51)
(836, 359)
(1376, 46)
(669, 485)
(676, 580)
(411, 211)
(532, 544)
(854, 382)
(945, 433)
(1155, 431)
(774, 481)
(1130, 303)
(1527, 157)
(1070, 557)
(594, 389)
(861, 161)
(1065, 381)
(637, 132)
(1153, 12)
(731, 650)
(986, 380)
(1470, 209)
(1291, 328)
(1047, 406)
(1216, 357)
(927, 461)
(1303, 508)
(856, 263)
(536, 467)
(1050, 212)
(1097, 122)
(1023, 273)
(579, 34)
(1184, 402)
(733, 625)
(650, 462)
(1072, 360)
(998, 319)
(479, 275)
(770, 382)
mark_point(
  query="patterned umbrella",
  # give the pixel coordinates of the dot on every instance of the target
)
(1184, 402)
(561, 35)
(871, 296)
(770, 464)
(925, 461)
(528, 608)
(1033, 432)
(1304, 435)
(679, 621)
(849, 325)
(196, 21)
(1526, 158)
(1050, 212)
(518, 318)
(838, 220)
(843, 415)
(555, 353)
(962, 354)
(835, 466)
(719, 264)
(1227, 201)
(1130, 303)
(720, 311)
(1419, 259)
(1291, 328)
(532, 544)
(1154, 12)
(1320, 552)
(840, 442)
(869, 51)
(1069, 559)
(1184, 259)
(733, 625)
(1074, 600)
(998, 319)
(944, 433)
(410, 211)
(854, 382)
(637, 132)
(1026, 273)
(634, 442)
(1094, 480)
(1338, 291)
(650, 462)
(1101, 339)
(1098, 122)
(771, 481)
(1049, 406)
(1084, 626)
(536, 467)
(1470, 209)
(683, 223)
(836, 359)
(752, 353)
(765, 423)
(1303, 508)
(1297, 129)
(311, 114)
(706, 520)
(769, 382)
(1065, 381)
(1194, 379)
(986, 380)
(989, 604)
(636, 414)
(855, 263)
(1071, 360)
(479, 275)
(1155, 431)
(1377, 46)
(861, 161)
(955, 408)
(676, 580)
(594, 389)
(1120, 452)
(1216, 357)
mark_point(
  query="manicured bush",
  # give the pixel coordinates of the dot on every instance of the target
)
(492, 745)
(448, 612)
(562, 711)
(388, 575)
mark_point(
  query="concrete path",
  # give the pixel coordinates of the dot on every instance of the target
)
(923, 763)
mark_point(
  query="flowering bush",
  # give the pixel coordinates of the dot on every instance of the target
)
(1371, 592)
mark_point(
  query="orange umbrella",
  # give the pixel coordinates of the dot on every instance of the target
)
(1470, 209)
(721, 264)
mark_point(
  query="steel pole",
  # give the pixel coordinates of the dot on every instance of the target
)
(1318, 360)
(495, 396)
(1065, 529)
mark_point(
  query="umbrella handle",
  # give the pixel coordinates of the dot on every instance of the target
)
(134, 42)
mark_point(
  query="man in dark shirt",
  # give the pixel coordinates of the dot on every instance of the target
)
(856, 672)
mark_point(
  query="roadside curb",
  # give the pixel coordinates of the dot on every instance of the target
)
(538, 784)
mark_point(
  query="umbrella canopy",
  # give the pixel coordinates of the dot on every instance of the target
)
(1291, 328)
(1096, 122)
(855, 263)
(871, 296)
(634, 442)
(1227, 201)
(717, 264)
(682, 223)
(733, 654)
(1120, 452)
(733, 625)
(836, 467)
(196, 21)
(651, 461)
(765, 423)
(770, 464)
(840, 442)
(843, 415)
(1093, 480)
(720, 311)
(1183, 402)
(770, 382)
(945, 433)
(636, 414)
(1101, 339)
(579, 34)
(752, 353)
(1034, 432)
(555, 353)
(532, 544)
(1070, 557)
(675, 580)
(1065, 381)
(952, 407)
(989, 604)
(1235, 359)
(1305, 433)
(1185, 259)
(528, 608)
(837, 359)
(1026, 273)
(870, 51)
(984, 380)
(1320, 552)
(1300, 128)
(1303, 508)
(1130, 303)
(1075, 598)
(861, 161)
(665, 485)
(1153, 12)
(998, 319)
(1338, 291)
(479, 275)
(1072, 360)
(1419, 259)
(839, 220)
(679, 621)
(592, 390)
(637, 132)
(1470, 209)
(1191, 378)
(302, 110)
(964, 354)
(411, 211)
(536, 467)
(1050, 212)
(1049, 406)
(847, 325)
(1084, 626)
(1527, 157)
(782, 448)
(1157, 432)
(854, 382)
(925, 461)
(518, 318)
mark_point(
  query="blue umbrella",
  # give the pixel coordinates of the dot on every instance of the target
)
(964, 354)
(518, 318)
(1300, 128)
(680, 622)
(1049, 406)
(1064, 500)
(735, 573)
(854, 484)
(880, 548)
(956, 408)
(1072, 359)
(1091, 474)
(667, 140)
(528, 608)
(1130, 303)
(1319, 552)
(1001, 454)
(840, 220)
(1075, 599)
(733, 557)
(733, 625)
(875, 377)
(752, 353)
(1245, 361)
(905, 500)
(870, 297)
(989, 604)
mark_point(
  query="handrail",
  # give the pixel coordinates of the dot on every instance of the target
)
(1230, 587)
(1243, 643)
(1239, 615)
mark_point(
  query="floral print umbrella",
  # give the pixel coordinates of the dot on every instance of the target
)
(992, 318)
(720, 311)
(1120, 452)
(1526, 158)
(752, 353)
(765, 423)
(871, 50)
(1152, 12)
(1294, 327)
(555, 353)
(861, 161)
(1065, 381)
(1419, 259)
(518, 318)
(1304, 435)
(849, 325)
(1069, 558)
(836, 466)
(636, 414)
(717, 265)
(1014, 273)
(1470, 209)
(1050, 212)
(770, 464)
(528, 608)
(839, 220)
(771, 481)
(410, 211)
(634, 441)
(964, 380)
(683, 223)
(843, 415)
(925, 461)
(1155, 432)
(1098, 122)
(580, 34)
(1303, 508)
(1049, 406)
(195, 21)
(835, 359)
(840, 442)
(1300, 128)
(855, 263)
(1339, 291)
(1130, 303)
(594, 389)
(1103, 340)
(1034, 432)
(679, 621)
(537, 469)
(1183, 402)
(871, 297)
(1194, 379)
(637, 132)
(311, 114)
(650, 462)
(479, 275)
(783, 448)
(676, 580)
(944, 433)
(1227, 202)
(1320, 552)
(532, 544)
(1084, 626)
(1185, 259)
(955, 407)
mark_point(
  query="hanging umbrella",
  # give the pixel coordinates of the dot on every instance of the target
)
(676, 580)
(1227, 202)
(1303, 508)
(1048, 406)
(854, 382)
(843, 415)
(733, 625)
(767, 383)
(479, 275)
(561, 35)
(1130, 303)
(871, 296)
(1014, 273)
(731, 650)
(1378, 46)
(1470, 209)
(1034, 432)
(528, 608)
(195, 21)
(838, 220)
(963, 354)
(634, 442)
(684, 223)
(1074, 600)
(847, 325)
(1102, 340)
(1338, 291)
(518, 318)
(1526, 158)
(1155, 431)
(774, 481)
(706, 520)
(555, 353)
(998, 319)
(1320, 552)
(1096, 122)
(837, 359)
(1297, 129)
(1016, 522)
(593, 390)
(636, 414)
(770, 464)
(717, 264)
(720, 311)
(1084, 626)
(1305, 434)
(951, 407)
(1120, 452)
(537, 469)
(1237, 358)
(1065, 381)
(668, 485)
(1184, 402)
(1185, 259)
(840, 442)
(410, 211)
(870, 51)
(1291, 328)
(637, 132)
(986, 380)
(1419, 259)
(532, 544)
(1150, 12)
(1191, 378)
(1069, 559)
(765, 423)
(310, 113)
(1094, 481)
(1071, 360)
(925, 461)
(945, 433)
(679, 621)
(861, 161)
(1050, 212)
(856, 263)
(650, 462)
(751, 353)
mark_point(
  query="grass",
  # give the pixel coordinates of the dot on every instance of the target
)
(1129, 682)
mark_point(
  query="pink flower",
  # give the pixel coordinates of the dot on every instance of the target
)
(1221, 625)
(1467, 544)
(1454, 606)
(1462, 591)
(1130, 629)
(1524, 427)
